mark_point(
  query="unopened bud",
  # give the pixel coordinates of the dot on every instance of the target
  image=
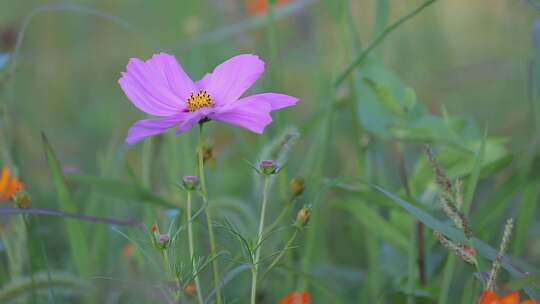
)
(302, 217)
(190, 290)
(162, 241)
(268, 167)
(22, 199)
(297, 186)
(469, 250)
(190, 182)
(154, 228)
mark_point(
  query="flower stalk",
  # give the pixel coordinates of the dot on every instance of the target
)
(192, 251)
(211, 237)
(255, 267)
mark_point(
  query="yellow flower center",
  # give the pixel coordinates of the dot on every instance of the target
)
(198, 101)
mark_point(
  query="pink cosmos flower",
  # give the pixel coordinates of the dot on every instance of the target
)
(160, 87)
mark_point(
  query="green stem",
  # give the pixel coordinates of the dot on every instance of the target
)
(284, 213)
(26, 226)
(211, 237)
(255, 267)
(362, 56)
(191, 250)
(448, 274)
(166, 263)
(276, 260)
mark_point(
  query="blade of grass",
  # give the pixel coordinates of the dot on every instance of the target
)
(457, 235)
(360, 59)
(77, 238)
(76, 216)
(374, 223)
(527, 211)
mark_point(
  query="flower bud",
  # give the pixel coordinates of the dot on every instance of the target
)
(190, 182)
(297, 186)
(268, 167)
(469, 250)
(190, 290)
(154, 228)
(162, 241)
(302, 217)
(21, 199)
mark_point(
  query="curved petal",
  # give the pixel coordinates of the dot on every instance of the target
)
(233, 77)
(149, 127)
(275, 100)
(158, 86)
(192, 119)
(252, 115)
(202, 84)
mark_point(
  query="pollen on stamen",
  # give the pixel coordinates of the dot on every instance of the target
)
(199, 101)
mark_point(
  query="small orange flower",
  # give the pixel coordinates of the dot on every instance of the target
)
(259, 7)
(9, 185)
(490, 297)
(296, 297)
(128, 251)
(190, 290)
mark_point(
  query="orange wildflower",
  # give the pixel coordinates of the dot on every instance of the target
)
(190, 290)
(128, 251)
(259, 7)
(9, 185)
(296, 297)
(490, 297)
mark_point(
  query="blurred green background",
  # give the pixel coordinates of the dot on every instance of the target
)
(470, 63)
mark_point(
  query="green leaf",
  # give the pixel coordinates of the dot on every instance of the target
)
(374, 223)
(474, 177)
(526, 215)
(77, 238)
(457, 235)
(385, 97)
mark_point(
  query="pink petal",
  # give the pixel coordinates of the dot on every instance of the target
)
(158, 86)
(233, 77)
(252, 115)
(202, 84)
(192, 119)
(275, 100)
(149, 127)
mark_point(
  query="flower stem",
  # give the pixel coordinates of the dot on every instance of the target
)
(211, 237)
(191, 250)
(285, 249)
(255, 267)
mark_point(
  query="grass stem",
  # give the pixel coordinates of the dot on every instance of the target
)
(207, 211)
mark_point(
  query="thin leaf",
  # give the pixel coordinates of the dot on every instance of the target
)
(77, 237)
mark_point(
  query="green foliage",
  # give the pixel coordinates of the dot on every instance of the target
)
(75, 231)
(376, 80)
